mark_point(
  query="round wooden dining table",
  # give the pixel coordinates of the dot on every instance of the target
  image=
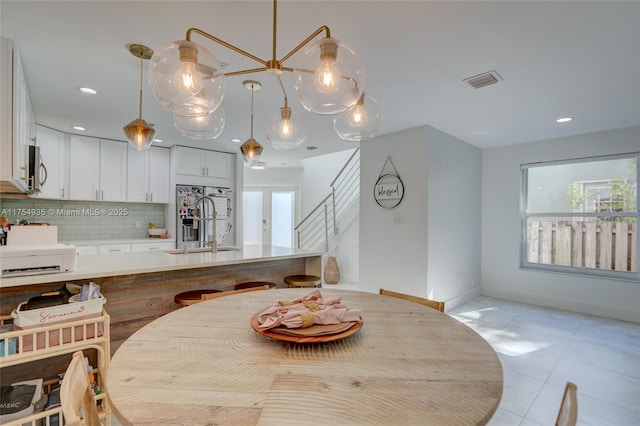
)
(204, 364)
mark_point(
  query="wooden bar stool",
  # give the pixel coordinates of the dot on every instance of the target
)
(302, 281)
(193, 296)
(252, 284)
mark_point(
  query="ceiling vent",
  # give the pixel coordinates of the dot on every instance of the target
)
(484, 79)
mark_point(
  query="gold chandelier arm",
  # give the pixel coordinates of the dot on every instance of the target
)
(225, 44)
(232, 73)
(324, 28)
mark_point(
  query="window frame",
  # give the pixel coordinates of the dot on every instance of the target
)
(576, 270)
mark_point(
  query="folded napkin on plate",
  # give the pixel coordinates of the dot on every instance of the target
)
(306, 311)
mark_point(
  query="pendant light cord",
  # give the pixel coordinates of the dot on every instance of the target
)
(283, 91)
(252, 90)
(140, 110)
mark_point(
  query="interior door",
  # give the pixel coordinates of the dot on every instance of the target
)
(269, 216)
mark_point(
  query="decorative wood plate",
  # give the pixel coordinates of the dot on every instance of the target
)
(345, 331)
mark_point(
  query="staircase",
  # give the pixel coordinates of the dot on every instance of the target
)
(315, 231)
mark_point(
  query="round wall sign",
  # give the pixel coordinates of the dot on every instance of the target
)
(388, 191)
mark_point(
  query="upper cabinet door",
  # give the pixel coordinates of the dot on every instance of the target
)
(97, 169)
(17, 121)
(202, 162)
(159, 160)
(148, 175)
(137, 176)
(84, 168)
(55, 153)
(113, 170)
(218, 164)
(190, 161)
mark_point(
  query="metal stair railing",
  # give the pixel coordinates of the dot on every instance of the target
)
(322, 222)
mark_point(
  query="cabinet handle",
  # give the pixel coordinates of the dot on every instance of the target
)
(102, 195)
(151, 197)
(62, 192)
(97, 195)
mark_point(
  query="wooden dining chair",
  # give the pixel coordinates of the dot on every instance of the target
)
(76, 394)
(230, 292)
(568, 413)
(427, 302)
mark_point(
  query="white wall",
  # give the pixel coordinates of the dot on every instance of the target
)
(454, 197)
(273, 176)
(318, 174)
(429, 245)
(501, 276)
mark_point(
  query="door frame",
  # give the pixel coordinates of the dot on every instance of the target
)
(266, 203)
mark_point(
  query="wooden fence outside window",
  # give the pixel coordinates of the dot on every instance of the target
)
(600, 245)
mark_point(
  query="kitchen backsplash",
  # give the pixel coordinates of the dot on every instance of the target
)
(82, 220)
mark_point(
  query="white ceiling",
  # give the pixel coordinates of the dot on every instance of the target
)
(578, 59)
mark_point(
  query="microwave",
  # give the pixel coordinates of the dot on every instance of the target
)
(37, 172)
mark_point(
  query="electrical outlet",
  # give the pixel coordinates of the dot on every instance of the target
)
(138, 224)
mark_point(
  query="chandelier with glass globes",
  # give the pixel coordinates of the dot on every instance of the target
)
(328, 78)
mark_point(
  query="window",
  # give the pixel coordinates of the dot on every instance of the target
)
(581, 216)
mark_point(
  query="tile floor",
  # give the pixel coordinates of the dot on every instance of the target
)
(541, 349)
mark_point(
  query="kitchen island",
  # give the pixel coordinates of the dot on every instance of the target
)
(140, 286)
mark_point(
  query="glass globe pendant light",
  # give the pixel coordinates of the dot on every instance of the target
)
(286, 128)
(186, 79)
(360, 123)
(203, 128)
(251, 149)
(139, 132)
(328, 76)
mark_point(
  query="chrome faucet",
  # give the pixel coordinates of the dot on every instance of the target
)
(204, 229)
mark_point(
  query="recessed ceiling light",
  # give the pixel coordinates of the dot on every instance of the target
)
(563, 119)
(158, 140)
(236, 140)
(82, 129)
(88, 90)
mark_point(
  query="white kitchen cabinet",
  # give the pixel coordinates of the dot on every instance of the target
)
(155, 246)
(113, 170)
(54, 150)
(114, 248)
(87, 249)
(97, 169)
(17, 120)
(84, 168)
(202, 162)
(148, 175)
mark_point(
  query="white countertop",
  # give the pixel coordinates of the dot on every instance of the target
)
(107, 265)
(119, 241)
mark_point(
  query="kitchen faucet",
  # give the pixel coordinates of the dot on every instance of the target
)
(204, 220)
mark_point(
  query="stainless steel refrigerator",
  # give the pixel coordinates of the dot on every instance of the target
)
(194, 216)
